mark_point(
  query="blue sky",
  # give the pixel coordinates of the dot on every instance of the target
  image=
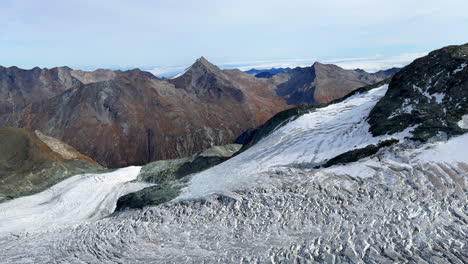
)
(172, 34)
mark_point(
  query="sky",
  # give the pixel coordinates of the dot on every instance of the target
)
(166, 36)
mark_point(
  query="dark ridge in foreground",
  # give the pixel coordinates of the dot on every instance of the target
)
(429, 94)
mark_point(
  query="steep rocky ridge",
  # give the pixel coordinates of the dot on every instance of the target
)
(136, 118)
(20, 87)
(31, 162)
(430, 93)
(323, 83)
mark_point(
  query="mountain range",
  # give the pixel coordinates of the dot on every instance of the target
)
(378, 175)
(267, 73)
(121, 118)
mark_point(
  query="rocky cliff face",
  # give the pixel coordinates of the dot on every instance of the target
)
(133, 117)
(323, 83)
(31, 162)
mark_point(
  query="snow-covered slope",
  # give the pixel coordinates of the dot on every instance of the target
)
(72, 201)
(308, 141)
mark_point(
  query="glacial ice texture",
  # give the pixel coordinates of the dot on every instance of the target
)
(404, 210)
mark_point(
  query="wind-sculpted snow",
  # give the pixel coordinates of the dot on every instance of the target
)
(74, 200)
(403, 210)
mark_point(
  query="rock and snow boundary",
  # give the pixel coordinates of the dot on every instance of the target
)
(311, 139)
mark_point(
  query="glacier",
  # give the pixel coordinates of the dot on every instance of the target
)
(75, 200)
(309, 140)
(407, 203)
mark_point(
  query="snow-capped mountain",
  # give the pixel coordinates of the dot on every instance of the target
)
(377, 177)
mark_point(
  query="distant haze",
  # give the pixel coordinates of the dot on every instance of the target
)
(165, 36)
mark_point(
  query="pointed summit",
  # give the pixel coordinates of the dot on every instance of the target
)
(202, 59)
(203, 63)
(317, 63)
(199, 70)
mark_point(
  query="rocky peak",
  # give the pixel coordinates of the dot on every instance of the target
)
(202, 74)
(318, 64)
(430, 94)
(322, 66)
(322, 83)
(202, 65)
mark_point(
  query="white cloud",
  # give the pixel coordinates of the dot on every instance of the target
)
(376, 63)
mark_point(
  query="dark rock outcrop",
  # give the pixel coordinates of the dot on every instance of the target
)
(357, 154)
(31, 162)
(171, 175)
(429, 94)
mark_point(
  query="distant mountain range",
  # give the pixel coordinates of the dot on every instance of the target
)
(122, 118)
(267, 73)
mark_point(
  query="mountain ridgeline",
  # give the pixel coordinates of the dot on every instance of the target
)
(323, 83)
(121, 118)
(429, 96)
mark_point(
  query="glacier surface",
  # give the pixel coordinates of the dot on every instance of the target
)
(72, 201)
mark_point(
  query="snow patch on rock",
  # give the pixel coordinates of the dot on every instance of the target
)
(439, 97)
(459, 69)
(463, 123)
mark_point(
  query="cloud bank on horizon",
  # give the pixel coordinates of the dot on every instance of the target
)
(369, 64)
(144, 33)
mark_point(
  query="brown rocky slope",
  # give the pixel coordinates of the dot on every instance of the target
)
(323, 83)
(31, 162)
(122, 118)
(135, 118)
